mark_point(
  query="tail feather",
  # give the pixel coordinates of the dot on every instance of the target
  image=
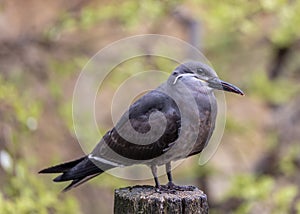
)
(77, 171)
(77, 182)
(62, 167)
(81, 170)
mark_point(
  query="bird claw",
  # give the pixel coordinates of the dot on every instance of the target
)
(164, 189)
(172, 188)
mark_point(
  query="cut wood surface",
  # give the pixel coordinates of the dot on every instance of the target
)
(146, 199)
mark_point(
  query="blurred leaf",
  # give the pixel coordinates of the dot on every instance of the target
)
(232, 125)
(25, 193)
(251, 188)
(283, 198)
(19, 106)
(287, 164)
(277, 92)
(288, 17)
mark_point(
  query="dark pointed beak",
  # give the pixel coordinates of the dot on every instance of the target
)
(225, 86)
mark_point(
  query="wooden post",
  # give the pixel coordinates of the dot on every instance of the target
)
(145, 199)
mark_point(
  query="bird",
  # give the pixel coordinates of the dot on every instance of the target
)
(172, 122)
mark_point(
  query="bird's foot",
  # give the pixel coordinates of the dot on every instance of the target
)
(172, 186)
(164, 189)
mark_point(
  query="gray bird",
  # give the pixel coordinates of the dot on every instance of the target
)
(172, 122)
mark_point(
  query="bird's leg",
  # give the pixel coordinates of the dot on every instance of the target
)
(169, 175)
(171, 185)
(154, 173)
(159, 188)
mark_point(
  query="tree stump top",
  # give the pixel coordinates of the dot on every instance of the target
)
(145, 199)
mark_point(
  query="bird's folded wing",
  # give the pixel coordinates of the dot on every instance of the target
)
(144, 132)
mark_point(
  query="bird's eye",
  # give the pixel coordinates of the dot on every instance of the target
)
(200, 70)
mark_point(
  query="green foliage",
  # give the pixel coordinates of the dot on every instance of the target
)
(19, 107)
(26, 193)
(63, 71)
(65, 68)
(127, 13)
(276, 92)
(298, 206)
(283, 198)
(227, 20)
(287, 13)
(230, 19)
(287, 164)
(263, 190)
(228, 14)
(55, 89)
(65, 110)
(232, 125)
(251, 188)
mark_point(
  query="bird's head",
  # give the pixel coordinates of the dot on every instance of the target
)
(205, 74)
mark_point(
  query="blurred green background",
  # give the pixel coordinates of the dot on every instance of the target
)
(253, 44)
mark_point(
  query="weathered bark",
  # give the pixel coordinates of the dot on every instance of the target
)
(145, 199)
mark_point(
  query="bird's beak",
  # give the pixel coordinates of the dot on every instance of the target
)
(225, 86)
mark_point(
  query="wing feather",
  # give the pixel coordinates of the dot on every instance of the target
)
(137, 119)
